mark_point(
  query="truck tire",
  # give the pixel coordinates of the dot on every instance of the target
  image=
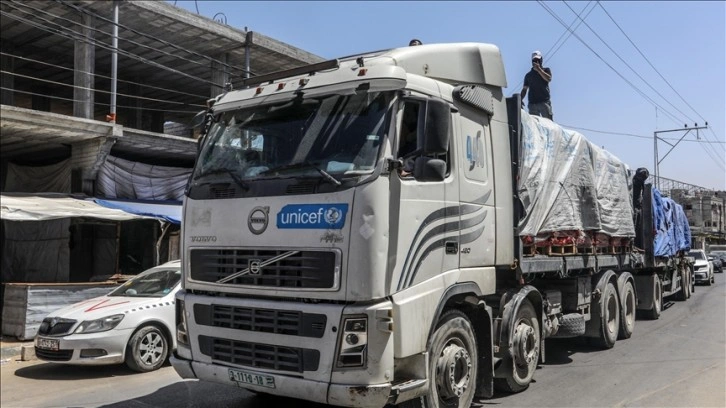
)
(682, 294)
(627, 311)
(609, 318)
(525, 350)
(571, 325)
(689, 282)
(654, 312)
(453, 364)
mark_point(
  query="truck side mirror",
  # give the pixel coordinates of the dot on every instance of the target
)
(428, 169)
(436, 127)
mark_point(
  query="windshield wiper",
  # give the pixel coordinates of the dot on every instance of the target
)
(237, 179)
(303, 164)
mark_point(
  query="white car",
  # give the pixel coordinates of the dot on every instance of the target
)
(702, 267)
(134, 324)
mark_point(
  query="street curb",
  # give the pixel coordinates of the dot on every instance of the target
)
(23, 352)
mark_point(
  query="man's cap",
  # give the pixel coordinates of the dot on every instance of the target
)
(536, 55)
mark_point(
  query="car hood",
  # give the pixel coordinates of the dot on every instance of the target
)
(103, 306)
(700, 263)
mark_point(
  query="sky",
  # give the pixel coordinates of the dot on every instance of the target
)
(661, 66)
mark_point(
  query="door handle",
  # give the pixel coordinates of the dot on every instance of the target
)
(452, 248)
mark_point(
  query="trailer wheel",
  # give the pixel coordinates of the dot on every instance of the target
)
(689, 282)
(627, 311)
(682, 294)
(452, 365)
(525, 350)
(654, 312)
(609, 318)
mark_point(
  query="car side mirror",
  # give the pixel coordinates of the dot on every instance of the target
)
(436, 127)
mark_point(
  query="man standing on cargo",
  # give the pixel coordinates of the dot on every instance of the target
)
(537, 81)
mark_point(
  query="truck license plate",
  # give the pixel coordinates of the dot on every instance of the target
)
(47, 344)
(244, 377)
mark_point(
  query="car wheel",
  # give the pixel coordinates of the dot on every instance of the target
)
(147, 349)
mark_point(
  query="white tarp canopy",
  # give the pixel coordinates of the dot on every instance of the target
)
(566, 183)
(16, 207)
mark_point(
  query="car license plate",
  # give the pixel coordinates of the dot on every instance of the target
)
(47, 344)
(244, 377)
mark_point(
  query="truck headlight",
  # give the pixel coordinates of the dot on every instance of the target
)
(99, 325)
(181, 323)
(353, 342)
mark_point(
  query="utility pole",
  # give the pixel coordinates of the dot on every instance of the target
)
(656, 161)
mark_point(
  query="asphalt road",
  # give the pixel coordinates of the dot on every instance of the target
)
(676, 361)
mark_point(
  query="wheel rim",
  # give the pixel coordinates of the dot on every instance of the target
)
(629, 307)
(151, 348)
(611, 310)
(526, 348)
(453, 370)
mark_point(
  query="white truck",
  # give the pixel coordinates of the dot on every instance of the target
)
(354, 234)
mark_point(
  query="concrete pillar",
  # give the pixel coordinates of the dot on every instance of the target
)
(220, 75)
(84, 57)
(7, 81)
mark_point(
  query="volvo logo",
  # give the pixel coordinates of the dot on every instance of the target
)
(255, 267)
(258, 220)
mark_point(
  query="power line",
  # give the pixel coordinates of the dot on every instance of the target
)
(167, 43)
(105, 33)
(102, 76)
(99, 90)
(95, 103)
(628, 65)
(549, 54)
(641, 93)
(632, 134)
(654, 68)
(81, 38)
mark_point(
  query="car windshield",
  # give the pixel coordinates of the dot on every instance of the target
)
(155, 283)
(327, 136)
(698, 255)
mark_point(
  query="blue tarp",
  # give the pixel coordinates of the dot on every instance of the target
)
(170, 211)
(672, 233)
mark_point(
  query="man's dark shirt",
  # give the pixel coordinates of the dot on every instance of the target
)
(539, 89)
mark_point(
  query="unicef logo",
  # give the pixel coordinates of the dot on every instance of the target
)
(333, 215)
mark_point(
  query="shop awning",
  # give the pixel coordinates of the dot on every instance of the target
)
(49, 206)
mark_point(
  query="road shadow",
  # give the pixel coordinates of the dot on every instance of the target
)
(198, 394)
(63, 372)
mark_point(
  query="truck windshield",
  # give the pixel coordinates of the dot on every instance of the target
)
(326, 136)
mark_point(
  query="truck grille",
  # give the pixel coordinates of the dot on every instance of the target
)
(304, 269)
(257, 355)
(57, 328)
(289, 322)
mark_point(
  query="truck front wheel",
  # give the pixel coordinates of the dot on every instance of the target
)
(525, 350)
(452, 365)
(654, 312)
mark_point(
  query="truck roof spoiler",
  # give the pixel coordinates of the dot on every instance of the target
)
(307, 69)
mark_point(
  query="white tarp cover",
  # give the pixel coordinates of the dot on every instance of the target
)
(568, 184)
(55, 178)
(51, 207)
(119, 178)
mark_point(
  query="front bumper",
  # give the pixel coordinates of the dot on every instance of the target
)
(70, 347)
(345, 395)
(701, 276)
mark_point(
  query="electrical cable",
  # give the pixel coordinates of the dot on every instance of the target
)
(81, 38)
(641, 93)
(654, 68)
(550, 54)
(167, 43)
(105, 33)
(634, 135)
(100, 90)
(103, 76)
(95, 102)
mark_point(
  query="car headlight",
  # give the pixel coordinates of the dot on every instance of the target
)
(99, 325)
